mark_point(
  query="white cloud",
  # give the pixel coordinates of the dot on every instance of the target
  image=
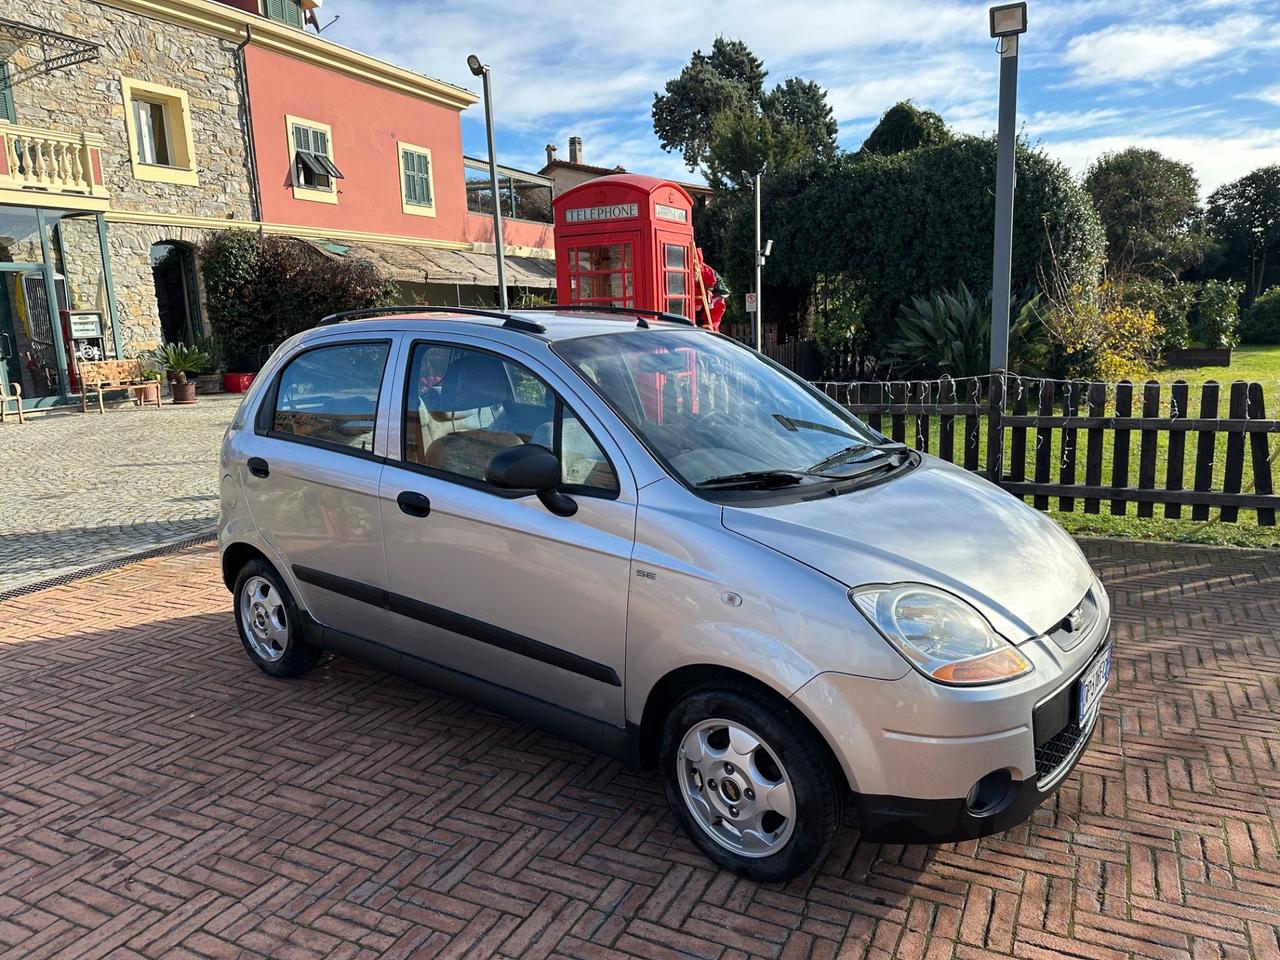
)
(1269, 95)
(1215, 159)
(1129, 52)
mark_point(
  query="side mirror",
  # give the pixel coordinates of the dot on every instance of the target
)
(531, 467)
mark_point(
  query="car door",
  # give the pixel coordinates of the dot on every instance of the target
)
(490, 583)
(310, 471)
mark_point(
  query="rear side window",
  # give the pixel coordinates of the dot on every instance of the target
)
(330, 395)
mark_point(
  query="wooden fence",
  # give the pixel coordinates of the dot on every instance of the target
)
(1085, 443)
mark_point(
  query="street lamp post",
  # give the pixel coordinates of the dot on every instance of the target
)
(1008, 22)
(759, 266)
(482, 70)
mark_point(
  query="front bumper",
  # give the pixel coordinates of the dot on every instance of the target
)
(934, 764)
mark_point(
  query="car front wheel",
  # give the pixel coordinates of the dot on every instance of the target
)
(750, 782)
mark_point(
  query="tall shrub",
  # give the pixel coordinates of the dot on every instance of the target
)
(262, 290)
(1217, 313)
(1261, 322)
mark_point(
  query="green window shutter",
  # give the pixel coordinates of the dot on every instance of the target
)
(285, 11)
(410, 180)
(319, 142)
(302, 139)
(417, 177)
(6, 94)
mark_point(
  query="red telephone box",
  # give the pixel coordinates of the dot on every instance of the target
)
(626, 240)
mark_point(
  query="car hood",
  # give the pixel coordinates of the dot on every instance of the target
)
(941, 525)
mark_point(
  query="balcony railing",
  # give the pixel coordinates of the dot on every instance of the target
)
(51, 161)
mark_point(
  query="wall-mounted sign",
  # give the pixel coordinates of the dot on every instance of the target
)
(665, 211)
(85, 325)
(612, 211)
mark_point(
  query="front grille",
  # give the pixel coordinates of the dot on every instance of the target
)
(1054, 752)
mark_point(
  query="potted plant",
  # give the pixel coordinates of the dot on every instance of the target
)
(179, 362)
(150, 394)
(209, 379)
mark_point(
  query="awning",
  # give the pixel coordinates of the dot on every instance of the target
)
(412, 264)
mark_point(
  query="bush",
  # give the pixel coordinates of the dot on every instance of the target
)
(1172, 304)
(1103, 336)
(262, 290)
(949, 334)
(1261, 322)
(916, 221)
(1217, 313)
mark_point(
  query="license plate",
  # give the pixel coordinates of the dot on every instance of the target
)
(1092, 683)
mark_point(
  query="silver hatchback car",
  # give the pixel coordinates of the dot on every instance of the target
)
(650, 539)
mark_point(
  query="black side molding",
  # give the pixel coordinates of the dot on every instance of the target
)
(460, 623)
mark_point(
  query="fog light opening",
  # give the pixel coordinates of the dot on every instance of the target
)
(990, 795)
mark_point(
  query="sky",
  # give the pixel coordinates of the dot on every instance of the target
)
(1196, 79)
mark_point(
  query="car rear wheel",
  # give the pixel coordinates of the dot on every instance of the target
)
(750, 782)
(269, 622)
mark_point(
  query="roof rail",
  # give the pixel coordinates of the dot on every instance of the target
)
(628, 311)
(513, 322)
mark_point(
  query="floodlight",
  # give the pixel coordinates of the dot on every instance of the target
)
(1009, 19)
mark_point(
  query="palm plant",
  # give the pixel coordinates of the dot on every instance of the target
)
(180, 361)
(949, 334)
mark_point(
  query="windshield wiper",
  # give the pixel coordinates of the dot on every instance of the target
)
(754, 478)
(840, 456)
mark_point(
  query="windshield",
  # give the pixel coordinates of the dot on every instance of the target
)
(715, 411)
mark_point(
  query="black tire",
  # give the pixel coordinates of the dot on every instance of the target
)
(296, 656)
(817, 786)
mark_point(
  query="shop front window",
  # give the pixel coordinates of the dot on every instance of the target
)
(602, 274)
(54, 300)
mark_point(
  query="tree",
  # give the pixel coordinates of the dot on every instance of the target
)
(905, 127)
(802, 106)
(729, 78)
(1149, 204)
(1244, 217)
(744, 143)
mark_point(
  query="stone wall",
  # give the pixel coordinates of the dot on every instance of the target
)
(88, 97)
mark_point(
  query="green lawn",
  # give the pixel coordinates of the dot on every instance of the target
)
(1261, 364)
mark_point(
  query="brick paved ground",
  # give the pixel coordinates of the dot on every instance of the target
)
(159, 797)
(80, 489)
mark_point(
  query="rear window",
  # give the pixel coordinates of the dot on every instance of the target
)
(329, 395)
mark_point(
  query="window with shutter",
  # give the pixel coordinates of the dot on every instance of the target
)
(415, 180)
(6, 95)
(285, 11)
(313, 167)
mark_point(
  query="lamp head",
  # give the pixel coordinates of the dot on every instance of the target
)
(1009, 19)
(477, 68)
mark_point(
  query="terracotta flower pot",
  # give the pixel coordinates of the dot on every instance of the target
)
(183, 392)
(150, 395)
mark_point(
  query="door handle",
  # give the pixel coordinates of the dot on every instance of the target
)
(259, 467)
(6, 353)
(414, 504)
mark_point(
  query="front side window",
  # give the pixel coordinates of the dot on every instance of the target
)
(464, 406)
(712, 409)
(313, 166)
(602, 274)
(330, 395)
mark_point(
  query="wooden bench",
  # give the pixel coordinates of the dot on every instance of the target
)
(10, 392)
(103, 375)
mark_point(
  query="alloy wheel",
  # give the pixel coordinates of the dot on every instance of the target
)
(263, 617)
(736, 787)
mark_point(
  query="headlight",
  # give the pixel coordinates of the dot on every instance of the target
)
(939, 634)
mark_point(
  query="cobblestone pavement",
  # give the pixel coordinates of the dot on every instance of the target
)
(80, 489)
(160, 797)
